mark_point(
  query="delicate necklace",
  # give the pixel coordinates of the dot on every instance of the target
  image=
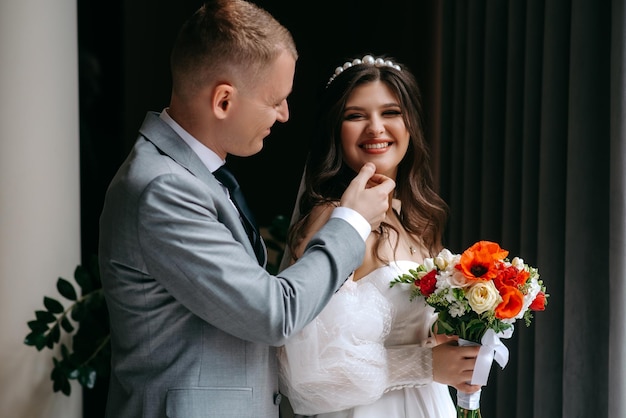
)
(407, 239)
(411, 244)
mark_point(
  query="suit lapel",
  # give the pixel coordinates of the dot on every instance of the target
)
(169, 143)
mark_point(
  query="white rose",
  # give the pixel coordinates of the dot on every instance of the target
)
(483, 296)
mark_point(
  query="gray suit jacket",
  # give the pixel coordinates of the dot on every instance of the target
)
(194, 318)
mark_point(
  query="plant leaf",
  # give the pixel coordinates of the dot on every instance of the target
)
(88, 321)
(81, 275)
(38, 326)
(67, 325)
(49, 341)
(45, 316)
(87, 377)
(65, 353)
(36, 339)
(55, 333)
(66, 289)
(74, 374)
(61, 383)
(78, 312)
(52, 305)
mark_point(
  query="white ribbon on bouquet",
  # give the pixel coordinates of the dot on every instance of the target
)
(491, 348)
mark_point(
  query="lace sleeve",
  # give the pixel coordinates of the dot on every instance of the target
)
(409, 366)
(339, 360)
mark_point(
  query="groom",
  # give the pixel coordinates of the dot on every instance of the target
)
(194, 316)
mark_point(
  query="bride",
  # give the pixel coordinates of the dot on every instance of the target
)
(372, 352)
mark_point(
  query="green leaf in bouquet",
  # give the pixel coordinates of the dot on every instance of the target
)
(528, 317)
(52, 305)
(444, 328)
(45, 316)
(499, 326)
(66, 289)
(445, 323)
(403, 278)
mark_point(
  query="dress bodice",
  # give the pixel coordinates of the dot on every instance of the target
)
(411, 320)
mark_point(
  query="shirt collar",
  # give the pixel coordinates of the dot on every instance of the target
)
(210, 159)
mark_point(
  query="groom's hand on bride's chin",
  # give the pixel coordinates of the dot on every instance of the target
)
(371, 201)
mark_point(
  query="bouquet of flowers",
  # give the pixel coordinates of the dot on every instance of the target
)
(478, 296)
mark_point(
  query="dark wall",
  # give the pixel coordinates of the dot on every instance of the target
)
(124, 72)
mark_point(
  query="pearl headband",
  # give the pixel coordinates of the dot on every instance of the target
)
(367, 60)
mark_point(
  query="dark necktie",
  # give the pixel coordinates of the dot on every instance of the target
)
(226, 177)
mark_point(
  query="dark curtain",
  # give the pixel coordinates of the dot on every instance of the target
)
(617, 215)
(531, 155)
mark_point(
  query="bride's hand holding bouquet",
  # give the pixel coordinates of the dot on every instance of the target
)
(478, 296)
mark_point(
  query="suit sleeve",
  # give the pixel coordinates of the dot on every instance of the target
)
(195, 247)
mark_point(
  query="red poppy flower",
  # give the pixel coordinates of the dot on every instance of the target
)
(539, 304)
(512, 302)
(481, 260)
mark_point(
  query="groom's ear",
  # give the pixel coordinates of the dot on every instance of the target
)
(221, 99)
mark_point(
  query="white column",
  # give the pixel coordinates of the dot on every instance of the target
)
(39, 192)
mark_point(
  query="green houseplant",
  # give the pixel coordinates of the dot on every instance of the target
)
(86, 319)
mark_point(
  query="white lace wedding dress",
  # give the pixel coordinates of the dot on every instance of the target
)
(367, 355)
